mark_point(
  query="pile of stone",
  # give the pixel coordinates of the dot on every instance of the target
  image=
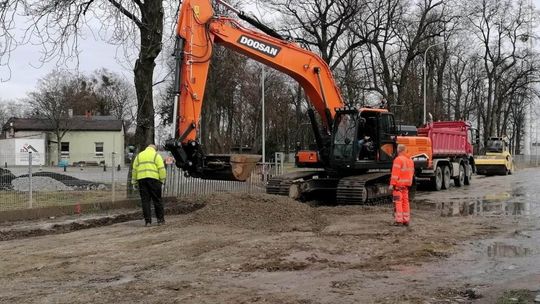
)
(46, 181)
(5, 179)
(255, 211)
(39, 183)
(70, 181)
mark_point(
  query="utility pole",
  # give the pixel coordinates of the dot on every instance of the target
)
(263, 124)
(527, 125)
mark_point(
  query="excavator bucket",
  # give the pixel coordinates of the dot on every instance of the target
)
(233, 167)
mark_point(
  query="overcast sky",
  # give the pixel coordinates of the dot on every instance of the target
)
(26, 68)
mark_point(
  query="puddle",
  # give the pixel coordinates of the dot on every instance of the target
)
(507, 251)
(517, 195)
(483, 207)
(497, 197)
(515, 203)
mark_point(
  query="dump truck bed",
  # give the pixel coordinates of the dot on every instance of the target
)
(448, 138)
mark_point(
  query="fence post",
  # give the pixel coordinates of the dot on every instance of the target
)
(263, 171)
(29, 179)
(113, 179)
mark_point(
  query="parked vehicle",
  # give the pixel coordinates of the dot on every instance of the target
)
(442, 152)
(497, 160)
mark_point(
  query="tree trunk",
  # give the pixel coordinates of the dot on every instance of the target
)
(58, 147)
(151, 33)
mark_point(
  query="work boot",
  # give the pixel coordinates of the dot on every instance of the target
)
(406, 224)
(160, 222)
(147, 224)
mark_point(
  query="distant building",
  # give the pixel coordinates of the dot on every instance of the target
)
(88, 139)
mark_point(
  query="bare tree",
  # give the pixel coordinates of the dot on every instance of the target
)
(400, 35)
(116, 95)
(58, 25)
(320, 25)
(3, 115)
(51, 101)
(8, 109)
(499, 26)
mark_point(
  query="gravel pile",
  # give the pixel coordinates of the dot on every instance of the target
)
(5, 179)
(255, 211)
(39, 183)
(70, 181)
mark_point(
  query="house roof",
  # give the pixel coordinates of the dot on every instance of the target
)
(75, 123)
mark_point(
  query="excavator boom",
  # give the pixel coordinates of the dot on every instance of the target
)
(197, 32)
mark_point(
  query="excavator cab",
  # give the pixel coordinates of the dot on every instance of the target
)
(363, 139)
(345, 138)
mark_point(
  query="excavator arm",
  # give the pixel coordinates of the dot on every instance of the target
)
(197, 32)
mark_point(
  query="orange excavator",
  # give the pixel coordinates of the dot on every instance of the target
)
(355, 147)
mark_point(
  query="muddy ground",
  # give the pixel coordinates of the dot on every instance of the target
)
(477, 244)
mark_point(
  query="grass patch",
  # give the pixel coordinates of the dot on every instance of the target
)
(517, 296)
(14, 200)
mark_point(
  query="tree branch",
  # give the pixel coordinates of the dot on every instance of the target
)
(127, 13)
(139, 3)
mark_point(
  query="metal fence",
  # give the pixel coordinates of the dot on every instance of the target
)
(179, 185)
(526, 161)
(34, 186)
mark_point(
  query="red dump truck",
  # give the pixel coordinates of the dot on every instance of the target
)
(442, 151)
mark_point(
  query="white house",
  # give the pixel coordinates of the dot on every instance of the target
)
(88, 139)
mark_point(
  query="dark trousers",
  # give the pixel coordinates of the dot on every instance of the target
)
(150, 190)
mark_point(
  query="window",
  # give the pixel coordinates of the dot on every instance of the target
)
(345, 136)
(99, 149)
(64, 149)
(387, 127)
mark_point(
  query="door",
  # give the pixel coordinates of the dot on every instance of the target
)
(386, 137)
(343, 148)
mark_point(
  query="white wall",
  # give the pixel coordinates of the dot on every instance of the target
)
(82, 147)
(15, 151)
(7, 152)
(31, 134)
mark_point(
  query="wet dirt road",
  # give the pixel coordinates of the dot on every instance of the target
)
(509, 260)
(477, 240)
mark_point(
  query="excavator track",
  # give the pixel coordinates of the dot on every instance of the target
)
(281, 184)
(278, 186)
(368, 188)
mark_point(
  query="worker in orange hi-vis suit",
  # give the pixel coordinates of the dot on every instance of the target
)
(401, 180)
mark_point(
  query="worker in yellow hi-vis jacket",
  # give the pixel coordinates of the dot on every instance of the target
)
(149, 175)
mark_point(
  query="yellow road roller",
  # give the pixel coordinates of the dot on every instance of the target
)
(498, 160)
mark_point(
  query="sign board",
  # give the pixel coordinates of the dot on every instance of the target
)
(23, 147)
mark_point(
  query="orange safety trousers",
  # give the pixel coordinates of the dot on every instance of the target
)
(402, 212)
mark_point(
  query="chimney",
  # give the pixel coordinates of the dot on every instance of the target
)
(11, 130)
(88, 115)
(70, 113)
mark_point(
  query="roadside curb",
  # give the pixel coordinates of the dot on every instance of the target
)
(69, 225)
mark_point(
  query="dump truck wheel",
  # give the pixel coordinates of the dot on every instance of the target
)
(437, 180)
(468, 175)
(460, 180)
(446, 178)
